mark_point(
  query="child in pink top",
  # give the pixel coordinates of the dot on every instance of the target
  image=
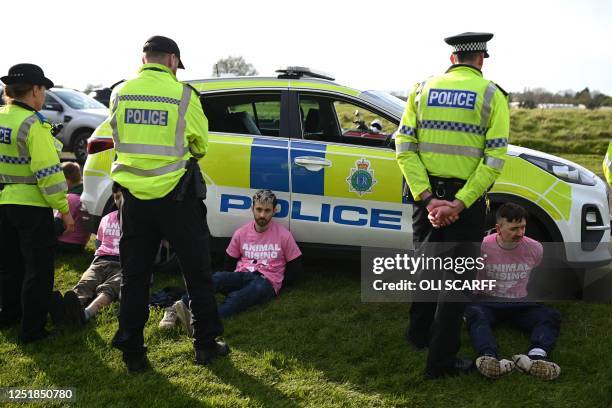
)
(510, 258)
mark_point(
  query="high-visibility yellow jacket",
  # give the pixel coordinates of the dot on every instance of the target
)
(157, 125)
(455, 125)
(30, 160)
(607, 164)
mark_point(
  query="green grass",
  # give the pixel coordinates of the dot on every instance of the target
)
(562, 131)
(315, 346)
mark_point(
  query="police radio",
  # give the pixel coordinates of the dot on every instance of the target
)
(56, 128)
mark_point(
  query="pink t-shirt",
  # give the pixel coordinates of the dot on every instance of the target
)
(510, 268)
(80, 235)
(109, 234)
(266, 252)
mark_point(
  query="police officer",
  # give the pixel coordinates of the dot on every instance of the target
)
(450, 147)
(32, 184)
(607, 164)
(158, 126)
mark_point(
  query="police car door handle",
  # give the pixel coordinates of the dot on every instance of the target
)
(312, 163)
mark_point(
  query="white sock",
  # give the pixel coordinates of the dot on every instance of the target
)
(87, 314)
(536, 351)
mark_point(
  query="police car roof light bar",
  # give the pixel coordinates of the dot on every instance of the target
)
(296, 72)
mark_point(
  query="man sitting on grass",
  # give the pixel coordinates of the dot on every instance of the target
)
(510, 250)
(99, 285)
(263, 256)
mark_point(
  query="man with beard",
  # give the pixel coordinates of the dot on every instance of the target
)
(263, 256)
(510, 257)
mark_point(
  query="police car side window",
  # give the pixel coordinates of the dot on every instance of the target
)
(362, 126)
(252, 114)
(331, 120)
(318, 119)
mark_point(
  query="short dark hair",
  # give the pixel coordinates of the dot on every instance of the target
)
(116, 187)
(155, 56)
(16, 91)
(265, 197)
(467, 56)
(511, 212)
(72, 171)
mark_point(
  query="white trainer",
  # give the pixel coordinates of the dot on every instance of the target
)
(184, 316)
(169, 319)
(493, 368)
(543, 369)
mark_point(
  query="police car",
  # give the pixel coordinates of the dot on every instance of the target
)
(327, 151)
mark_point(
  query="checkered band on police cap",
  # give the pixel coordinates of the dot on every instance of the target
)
(470, 47)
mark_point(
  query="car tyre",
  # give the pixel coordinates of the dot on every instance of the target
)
(79, 145)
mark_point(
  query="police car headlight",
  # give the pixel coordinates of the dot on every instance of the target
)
(563, 171)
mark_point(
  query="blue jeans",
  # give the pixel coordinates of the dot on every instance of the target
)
(241, 290)
(543, 322)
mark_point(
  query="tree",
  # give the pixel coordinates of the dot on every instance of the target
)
(583, 97)
(233, 66)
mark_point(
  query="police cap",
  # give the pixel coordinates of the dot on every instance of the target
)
(27, 74)
(163, 44)
(469, 42)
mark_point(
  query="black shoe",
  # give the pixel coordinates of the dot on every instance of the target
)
(462, 366)
(73, 309)
(206, 356)
(8, 322)
(416, 342)
(43, 335)
(56, 308)
(136, 362)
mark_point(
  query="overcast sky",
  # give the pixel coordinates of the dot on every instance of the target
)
(379, 44)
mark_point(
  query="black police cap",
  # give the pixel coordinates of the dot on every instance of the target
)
(27, 74)
(469, 42)
(163, 44)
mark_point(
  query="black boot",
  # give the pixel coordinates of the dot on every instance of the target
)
(56, 308)
(461, 366)
(75, 313)
(206, 355)
(136, 362)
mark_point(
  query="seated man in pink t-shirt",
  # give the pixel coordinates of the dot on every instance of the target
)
(71, 242)
(263, 256)
(510, 257)
(100, 284)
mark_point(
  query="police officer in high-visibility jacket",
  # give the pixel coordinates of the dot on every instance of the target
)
(607, 164)
(450, 147)
(32, 184)
(158, 125)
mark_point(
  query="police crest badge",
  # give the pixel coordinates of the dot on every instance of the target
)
(361, 180)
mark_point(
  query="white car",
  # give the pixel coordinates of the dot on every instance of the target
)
(80, 115)
(326, 150)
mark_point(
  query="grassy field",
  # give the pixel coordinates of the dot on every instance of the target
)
(562, 131)
(315, 346)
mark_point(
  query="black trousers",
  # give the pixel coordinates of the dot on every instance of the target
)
(183, 223)
(27, 241)
(439, 323)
